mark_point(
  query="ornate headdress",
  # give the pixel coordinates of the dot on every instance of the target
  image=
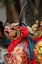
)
(14, 30)
(10, 30)
(36, 30)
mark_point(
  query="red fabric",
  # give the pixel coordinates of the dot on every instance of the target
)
(24, 31)
(38, 39)
(13, 44)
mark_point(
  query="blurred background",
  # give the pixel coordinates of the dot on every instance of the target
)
(10, 11)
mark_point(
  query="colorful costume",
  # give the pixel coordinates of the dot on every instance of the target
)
(20, 50)
(20, 54)
(37, 36)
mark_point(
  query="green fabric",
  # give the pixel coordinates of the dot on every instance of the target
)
(4, 40)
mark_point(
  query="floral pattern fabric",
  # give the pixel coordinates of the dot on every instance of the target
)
(20, 54)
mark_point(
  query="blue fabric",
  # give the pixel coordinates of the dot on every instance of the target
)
(30, 41)
(34, 41)
(25, 24)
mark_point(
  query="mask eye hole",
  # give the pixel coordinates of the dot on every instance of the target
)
(7, 32)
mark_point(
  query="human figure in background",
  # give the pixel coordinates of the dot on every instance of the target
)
(1, 32)
(1, 24)
(4, 41)
(6, 58)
